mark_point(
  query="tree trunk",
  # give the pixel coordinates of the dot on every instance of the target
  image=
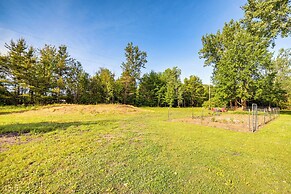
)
(243, 104)
(31, 97)
(230, 104)
(235, 105)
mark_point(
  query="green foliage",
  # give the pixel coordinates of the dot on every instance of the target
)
(131, 69)
(194, 91)
(129, 87)
(237, 58)
(5, 95)
(282, 68)
(95, 90)
(268, 18)
(49, 75)
(150, 89)
(173, 83)
(135, 60)
(107, 82)
(19, 66)
(166, 89)
(243, 69)
(214, 102)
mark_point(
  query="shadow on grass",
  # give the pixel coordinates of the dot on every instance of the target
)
(16, 111)
(285, 112)
(13, 109)
(16, 129)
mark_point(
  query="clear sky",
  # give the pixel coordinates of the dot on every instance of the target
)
(96, 32)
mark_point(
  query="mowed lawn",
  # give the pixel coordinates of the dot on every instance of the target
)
(123, 149)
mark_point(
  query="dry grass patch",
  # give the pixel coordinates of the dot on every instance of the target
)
(84, 109)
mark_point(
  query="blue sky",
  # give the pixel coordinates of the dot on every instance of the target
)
(96, 32)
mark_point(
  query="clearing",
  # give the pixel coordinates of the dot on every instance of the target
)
(124, 149)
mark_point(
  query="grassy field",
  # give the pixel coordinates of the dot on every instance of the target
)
(123, 149)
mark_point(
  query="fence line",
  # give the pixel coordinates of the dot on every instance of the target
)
(249, 120)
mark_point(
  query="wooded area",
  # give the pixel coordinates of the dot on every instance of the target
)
(245, 70)
(50, 75)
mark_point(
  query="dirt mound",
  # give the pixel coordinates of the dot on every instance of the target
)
(88, 109)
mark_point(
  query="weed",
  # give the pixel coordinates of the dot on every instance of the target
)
(213, 119)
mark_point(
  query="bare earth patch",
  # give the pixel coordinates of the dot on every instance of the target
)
(239, 122)
(10, 139)
(85, 109)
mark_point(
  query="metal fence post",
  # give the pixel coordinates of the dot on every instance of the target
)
(255, 117)
(249, 119)
(202, 115)
(264, 116)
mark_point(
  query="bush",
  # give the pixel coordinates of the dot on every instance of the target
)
(214, 102)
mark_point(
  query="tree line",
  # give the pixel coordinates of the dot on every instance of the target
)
(49, 75)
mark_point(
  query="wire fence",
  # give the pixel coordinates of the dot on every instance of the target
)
(248, 120)
(260, 117)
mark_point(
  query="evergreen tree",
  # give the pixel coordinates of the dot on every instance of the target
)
(20, 66)
(131, 70)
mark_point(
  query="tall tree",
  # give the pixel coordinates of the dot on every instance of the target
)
(238, 58)
(45, 69)
(61, 70)
(86, 89)
(74, 86)
(96, 90)
(194, 91)
(282, 67)
(131, 70)
(173, 82)
(5, 96)
(20, 64)
(149, 88)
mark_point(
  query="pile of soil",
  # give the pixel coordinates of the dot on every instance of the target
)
(86, 109)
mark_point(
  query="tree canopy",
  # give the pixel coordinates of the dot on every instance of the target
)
(243, 67)
(50, 75)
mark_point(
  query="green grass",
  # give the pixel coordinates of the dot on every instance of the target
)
(140, 153)
(15, 109)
